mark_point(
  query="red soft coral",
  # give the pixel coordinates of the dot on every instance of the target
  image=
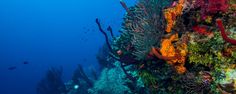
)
(202, 30)
(211, 6)
(217, 6)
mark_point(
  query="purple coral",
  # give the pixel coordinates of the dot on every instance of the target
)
(211, 6)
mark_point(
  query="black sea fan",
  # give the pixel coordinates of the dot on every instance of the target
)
(145, 23)
(52, 83)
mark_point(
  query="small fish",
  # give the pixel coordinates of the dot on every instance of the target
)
(25, 62)
(12, 68)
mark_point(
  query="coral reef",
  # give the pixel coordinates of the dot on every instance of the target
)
(166, 47)
(178, 46)
(171, 13)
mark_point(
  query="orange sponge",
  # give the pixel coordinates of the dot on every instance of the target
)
(170, 14)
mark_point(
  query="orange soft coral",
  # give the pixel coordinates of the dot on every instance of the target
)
(167, 48)
(173, 56)
(170, 14)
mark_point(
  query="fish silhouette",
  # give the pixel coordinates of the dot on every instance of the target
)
(12, 68)
(25, 62)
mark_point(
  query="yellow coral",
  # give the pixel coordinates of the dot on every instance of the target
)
(170, 14)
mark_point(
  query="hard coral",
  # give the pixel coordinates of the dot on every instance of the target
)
(171, 14)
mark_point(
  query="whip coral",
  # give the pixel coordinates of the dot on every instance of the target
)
(171, 14)
(223, 32)
(105, 34)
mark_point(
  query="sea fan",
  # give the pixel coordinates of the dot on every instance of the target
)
(144, 22)
(52, 83)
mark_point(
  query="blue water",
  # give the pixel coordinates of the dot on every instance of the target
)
(50, 33)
